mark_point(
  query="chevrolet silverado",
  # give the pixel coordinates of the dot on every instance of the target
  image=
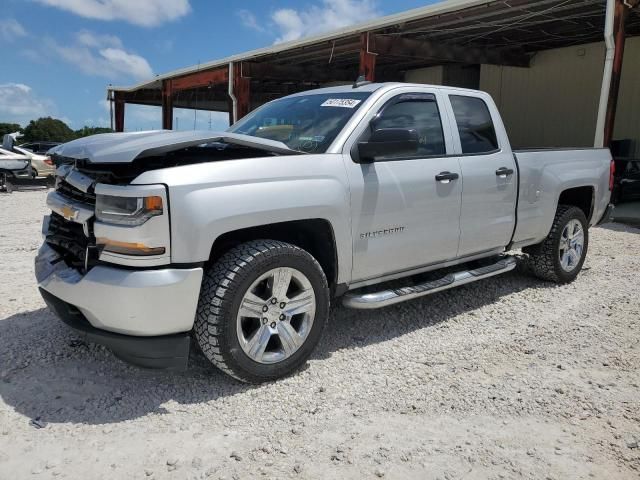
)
(239, 240)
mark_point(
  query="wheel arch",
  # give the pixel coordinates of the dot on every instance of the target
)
(582, 197)
(315, 236)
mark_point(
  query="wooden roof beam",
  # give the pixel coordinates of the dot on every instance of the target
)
(200, 79)
(423, 49)
(264, 71)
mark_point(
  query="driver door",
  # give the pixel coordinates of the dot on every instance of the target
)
(406, 208)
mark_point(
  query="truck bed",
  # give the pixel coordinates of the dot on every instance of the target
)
(544, 173)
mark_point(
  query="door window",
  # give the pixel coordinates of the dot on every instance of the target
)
(419, 112)
(477, 133)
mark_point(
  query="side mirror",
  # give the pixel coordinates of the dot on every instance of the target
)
(386, 142)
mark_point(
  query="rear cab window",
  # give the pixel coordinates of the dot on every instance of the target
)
(475, 125)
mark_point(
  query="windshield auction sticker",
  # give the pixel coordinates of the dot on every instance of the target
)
(341, 102)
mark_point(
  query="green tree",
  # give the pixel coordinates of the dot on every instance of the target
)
(9, 128)
(47, 129)
(86, 131)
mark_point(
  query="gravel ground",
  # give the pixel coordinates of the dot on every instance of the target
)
(506, 378)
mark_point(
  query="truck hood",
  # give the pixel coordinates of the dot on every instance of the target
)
(127, 147)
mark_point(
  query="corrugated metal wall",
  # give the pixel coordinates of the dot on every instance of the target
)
(554, 103)
(628, 113)
(428, 75)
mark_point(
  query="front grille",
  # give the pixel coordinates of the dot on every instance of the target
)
(68, 239)
(69, 191)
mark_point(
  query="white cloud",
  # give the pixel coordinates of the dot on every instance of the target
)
(329, 15)
(11, 29)
(249, 20)
(101, 55)
(93, 40)
(127, 63)
(147, 13)
(18, 103)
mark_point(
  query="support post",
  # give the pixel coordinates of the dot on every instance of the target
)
(110, 99)
(118, 103)
(242, 88)
(167, 105)
(367, 59)
(239, 93)
(620, 17)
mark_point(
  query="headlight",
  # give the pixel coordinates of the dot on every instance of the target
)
(129, 211)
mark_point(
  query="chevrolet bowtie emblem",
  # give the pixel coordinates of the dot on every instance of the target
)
(69, 213)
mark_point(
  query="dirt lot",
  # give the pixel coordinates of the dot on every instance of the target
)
(509, 378)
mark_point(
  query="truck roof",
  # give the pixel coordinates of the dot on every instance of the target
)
(372, 87)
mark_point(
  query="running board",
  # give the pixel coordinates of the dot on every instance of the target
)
(397, 295)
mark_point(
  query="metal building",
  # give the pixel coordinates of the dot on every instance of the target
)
(563, 72)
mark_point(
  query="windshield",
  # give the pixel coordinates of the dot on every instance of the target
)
(308, 123)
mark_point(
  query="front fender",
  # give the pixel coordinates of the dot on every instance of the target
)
(209, 200)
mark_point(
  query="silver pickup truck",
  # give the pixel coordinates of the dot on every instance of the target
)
(375, 194)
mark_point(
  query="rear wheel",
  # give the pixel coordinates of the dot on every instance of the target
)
(559, 258)
(262, 310)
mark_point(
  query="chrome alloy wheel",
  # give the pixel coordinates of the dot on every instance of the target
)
(571, 245)
(276, 315)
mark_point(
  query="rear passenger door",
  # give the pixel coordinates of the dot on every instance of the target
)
(487, 217)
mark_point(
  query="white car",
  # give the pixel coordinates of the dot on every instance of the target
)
(13, 165)
(13, 160)
(41, 165)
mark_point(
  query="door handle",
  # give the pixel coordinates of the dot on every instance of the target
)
(446, 177)
(502, 172)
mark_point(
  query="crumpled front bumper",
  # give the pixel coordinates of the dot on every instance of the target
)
(116, 307)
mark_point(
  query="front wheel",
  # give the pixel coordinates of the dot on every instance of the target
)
(559, 258)
(262, 309)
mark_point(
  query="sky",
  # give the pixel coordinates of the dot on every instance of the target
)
(59, 56)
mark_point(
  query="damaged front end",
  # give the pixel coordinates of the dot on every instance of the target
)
(99, 216)
(69, 228)
(105, 266)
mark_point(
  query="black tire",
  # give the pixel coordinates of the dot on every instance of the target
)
(223, 287)
(543, 259)
(8, 186)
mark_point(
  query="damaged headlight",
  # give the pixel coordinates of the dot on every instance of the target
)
(128, 211)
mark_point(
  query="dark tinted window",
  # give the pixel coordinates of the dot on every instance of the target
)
(419, 112)
(477, 134)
